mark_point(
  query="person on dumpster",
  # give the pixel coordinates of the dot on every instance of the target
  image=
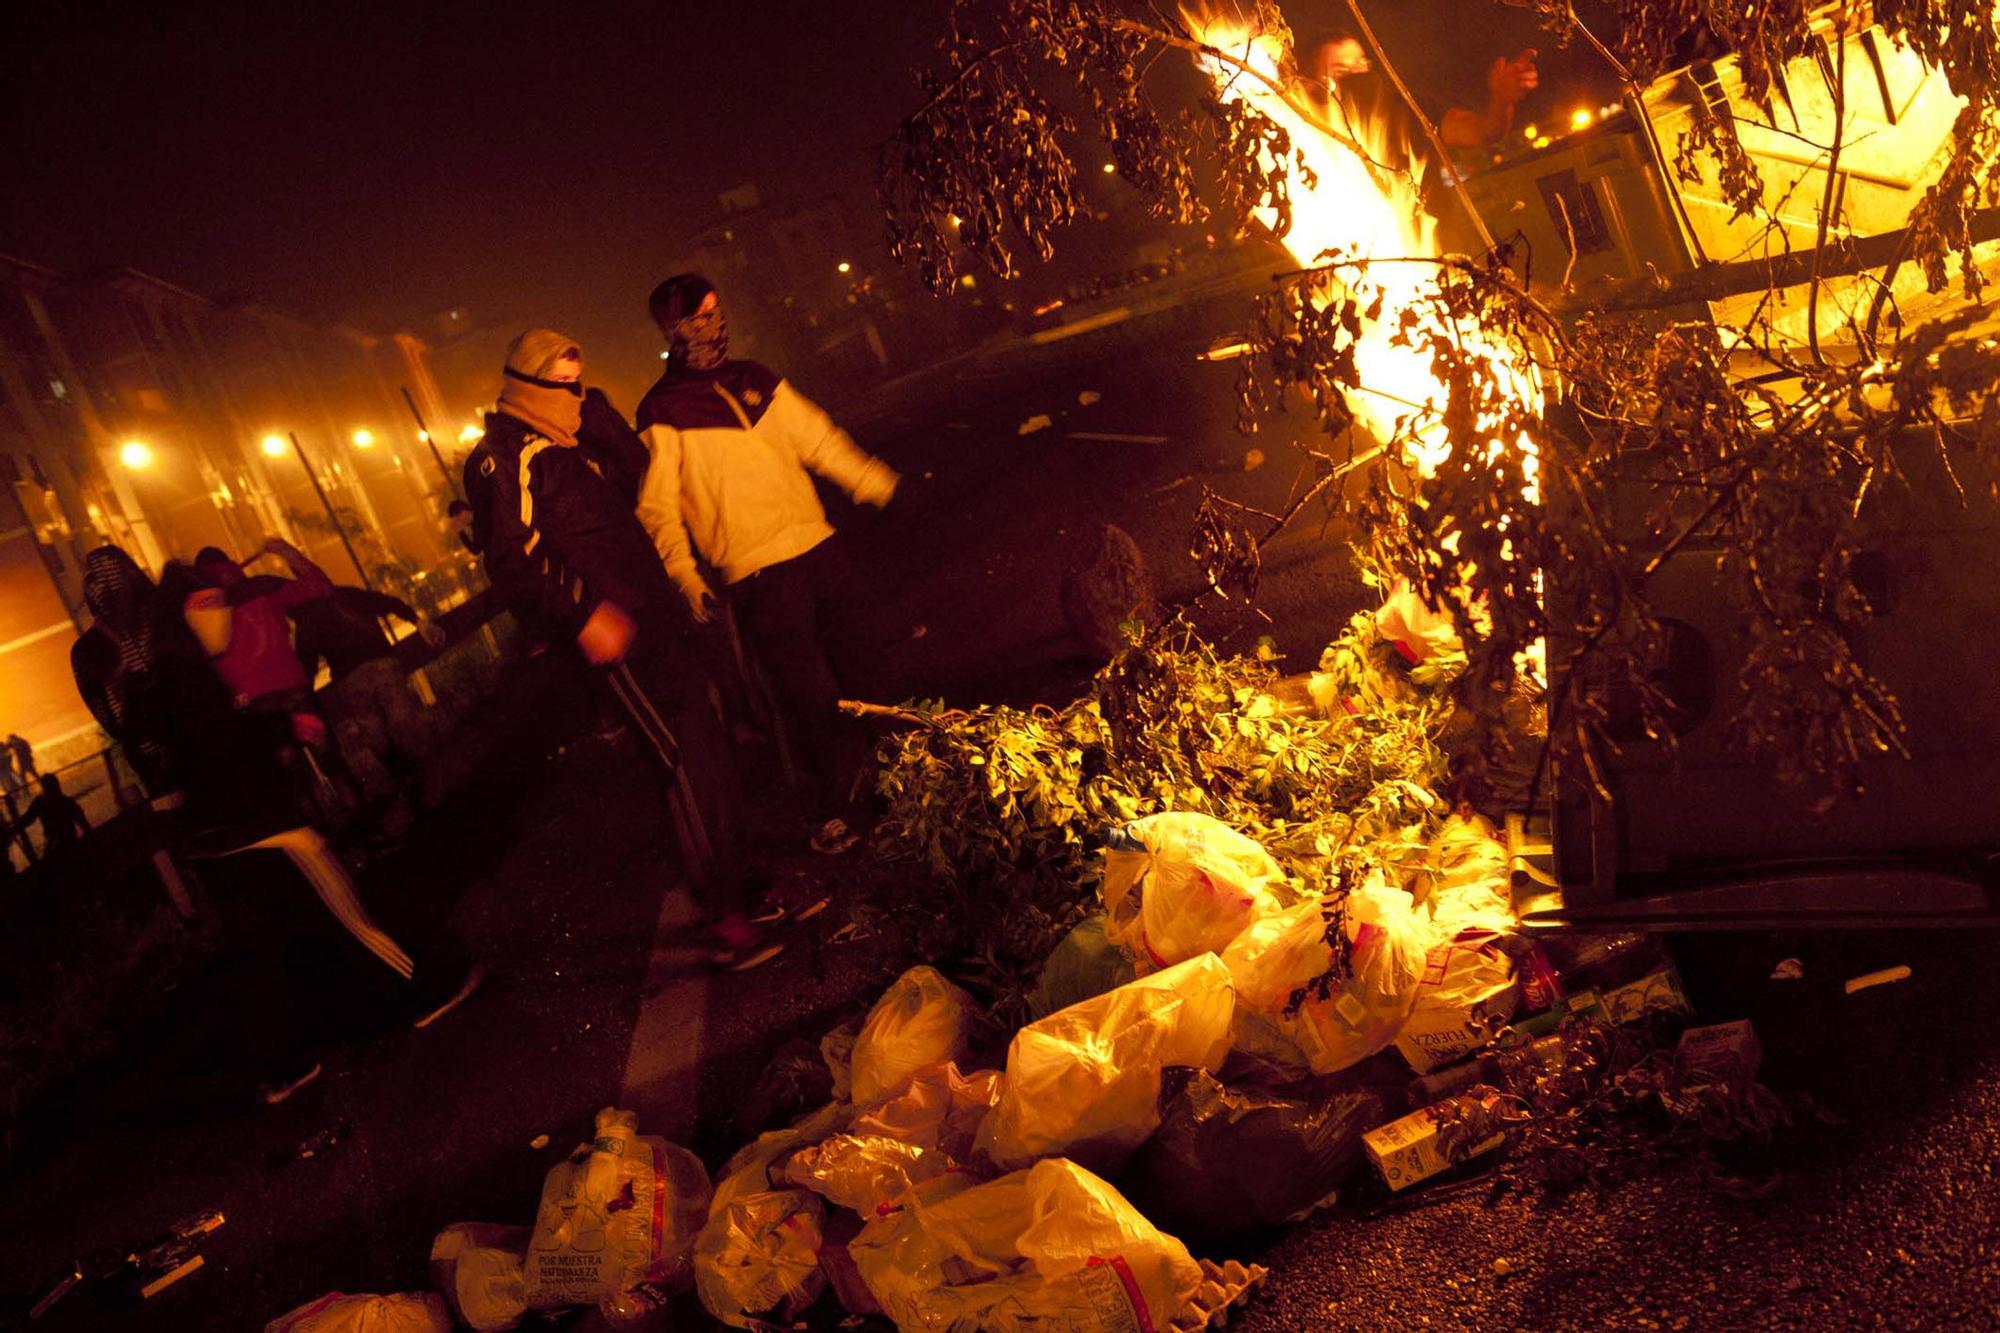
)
(375, 718)
(221, 796)
(734, 446)
(564, 549)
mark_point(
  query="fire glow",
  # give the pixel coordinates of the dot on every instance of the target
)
(1372, 219)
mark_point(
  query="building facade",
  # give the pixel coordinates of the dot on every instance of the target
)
(138, 413)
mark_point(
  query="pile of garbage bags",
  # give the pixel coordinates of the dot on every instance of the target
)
(1199, 1072)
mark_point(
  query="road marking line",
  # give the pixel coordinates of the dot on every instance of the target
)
(1116, 439)
(662, 1067)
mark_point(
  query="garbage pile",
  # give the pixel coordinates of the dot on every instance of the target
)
(1217, 1052)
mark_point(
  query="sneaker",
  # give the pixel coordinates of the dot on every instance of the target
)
(430, 1011)
(273, 1093)
(834, 837)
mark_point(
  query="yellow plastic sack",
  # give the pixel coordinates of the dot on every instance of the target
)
(1084, 1082)
(477, 1265)
(920, 1020)
(1054, 1247)
(759, 1255)
(1465, 884)
(1178, 885)
(618, 1211)
(408, 1312)
(866, 1173)
(940, 1110)
(1362, 1014)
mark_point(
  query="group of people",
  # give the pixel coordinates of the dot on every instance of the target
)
(614, 537)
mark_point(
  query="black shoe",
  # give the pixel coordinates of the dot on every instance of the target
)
(431, 1005)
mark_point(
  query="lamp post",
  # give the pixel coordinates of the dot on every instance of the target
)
(275, 448)
(424, 434)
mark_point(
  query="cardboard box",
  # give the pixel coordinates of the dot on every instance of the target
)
(1407, 1151)
(1660, 990)
(1724, 1052)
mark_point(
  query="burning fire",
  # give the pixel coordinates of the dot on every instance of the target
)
(1359, 210)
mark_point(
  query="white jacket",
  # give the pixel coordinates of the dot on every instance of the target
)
(731, 449)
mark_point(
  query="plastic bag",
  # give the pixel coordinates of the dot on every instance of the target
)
(478, 1267)
(920, 1020)
(1466, 994)
(1227, 1162)
(865, 1172)
(1085, 1082)
(1054, 1247)
(617, 1212)
(940, 1110)
(1418, 632)
(1465, 884)
(837, 1049)
(1360, 1013)
(1082, 965)
(408, 1312)
(1179, 885)
(759, 1255)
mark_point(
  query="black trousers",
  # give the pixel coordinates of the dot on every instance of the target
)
(802, 619)
(661, 687)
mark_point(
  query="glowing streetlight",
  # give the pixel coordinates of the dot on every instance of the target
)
(424, 435)
(136, 454)
(274, 446)
(844, 267)
(1581, 118)
(472, 434)
(1111, 168)
(364, 439)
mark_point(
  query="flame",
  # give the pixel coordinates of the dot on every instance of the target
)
(1360, 210)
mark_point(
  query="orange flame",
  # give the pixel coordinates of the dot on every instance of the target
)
(1357, 210)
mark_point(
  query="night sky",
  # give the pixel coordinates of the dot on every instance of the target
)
(375, 163)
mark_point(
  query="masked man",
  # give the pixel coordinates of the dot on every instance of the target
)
(734, 447)
(563, 548)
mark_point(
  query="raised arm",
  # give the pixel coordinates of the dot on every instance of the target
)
(827, 449)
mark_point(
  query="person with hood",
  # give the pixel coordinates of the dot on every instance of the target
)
(734, 450)
(564, 550)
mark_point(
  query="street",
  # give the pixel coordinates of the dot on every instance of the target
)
(554, 869)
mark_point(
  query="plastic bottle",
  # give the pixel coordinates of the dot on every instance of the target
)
(601, 1173)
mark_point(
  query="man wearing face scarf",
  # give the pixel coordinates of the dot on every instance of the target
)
(562, 545)
(733, 449)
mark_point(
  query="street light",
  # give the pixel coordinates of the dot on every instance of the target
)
(1110, 168)
(274, 446)
(136, 454)
(1581, 118)
(364, 439)
(844, 266)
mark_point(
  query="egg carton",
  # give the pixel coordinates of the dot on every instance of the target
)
(1222, 1286)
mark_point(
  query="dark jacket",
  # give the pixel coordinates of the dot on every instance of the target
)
(345, 628)
(610, 442)
(558, 537)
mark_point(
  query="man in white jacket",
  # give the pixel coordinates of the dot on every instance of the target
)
(733, 446)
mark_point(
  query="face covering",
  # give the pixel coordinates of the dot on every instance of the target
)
(705, 335)
(553, 407)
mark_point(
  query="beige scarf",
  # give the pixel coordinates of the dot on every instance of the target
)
(527, 394)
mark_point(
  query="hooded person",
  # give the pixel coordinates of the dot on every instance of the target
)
(565, 551)
(734, 450)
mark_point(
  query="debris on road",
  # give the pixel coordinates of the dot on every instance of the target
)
(1724, 1052)
(1252, 459)
(1868, 980)
(1040, 421)
(921, 1020)
(480, 1269)
(1089, 397)
(618, 1211)
(1433, 1139)
(336, 1312)
(539, 1142)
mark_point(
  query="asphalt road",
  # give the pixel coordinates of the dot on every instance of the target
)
(553, 867)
